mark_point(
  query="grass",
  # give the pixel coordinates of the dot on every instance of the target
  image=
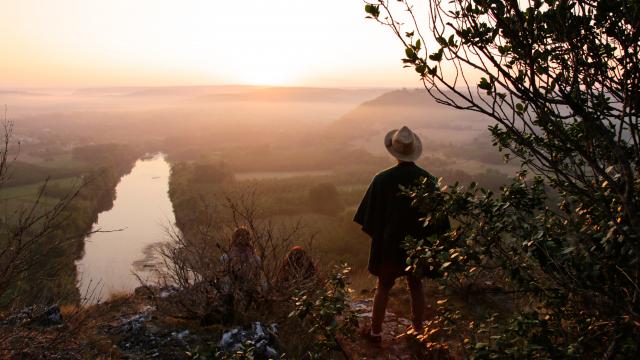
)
(285, 201)
(15, 198)
(63, 160)
(32, 189)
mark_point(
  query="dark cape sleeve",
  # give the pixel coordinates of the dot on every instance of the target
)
(369, 212)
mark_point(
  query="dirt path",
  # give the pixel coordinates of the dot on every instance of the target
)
(396, 344)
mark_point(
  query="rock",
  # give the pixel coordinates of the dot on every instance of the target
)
(361, 305)
(167, 291)
(395, 344)
(140, 338)
(133, 323)
(262, 339)
(50, 316)
(182, 334)
(143, 291)
(36, 315)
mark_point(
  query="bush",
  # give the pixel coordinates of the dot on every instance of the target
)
(211, 173)
(560, 80)
(327, 313)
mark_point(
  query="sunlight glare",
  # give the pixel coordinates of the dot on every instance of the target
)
(279, 42)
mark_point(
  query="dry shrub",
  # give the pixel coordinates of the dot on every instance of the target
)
(206, 288)
(29, 339)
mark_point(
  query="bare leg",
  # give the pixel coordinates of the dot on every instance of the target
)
(380, 301)
(417, 301)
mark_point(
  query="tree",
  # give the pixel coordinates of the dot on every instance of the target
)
(324, 198)
(32, 236)
(561, 80)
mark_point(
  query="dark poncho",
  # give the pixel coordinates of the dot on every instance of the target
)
(388, 217)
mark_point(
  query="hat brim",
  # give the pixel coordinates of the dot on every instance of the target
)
(413, 156)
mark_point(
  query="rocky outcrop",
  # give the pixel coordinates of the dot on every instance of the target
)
(42, 316)
(262, 340)
(396, 345)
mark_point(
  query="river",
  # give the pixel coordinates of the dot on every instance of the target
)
(141, 212)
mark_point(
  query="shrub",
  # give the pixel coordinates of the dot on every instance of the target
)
(327, 313)
(561, 81)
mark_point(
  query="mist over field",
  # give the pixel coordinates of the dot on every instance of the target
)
(209, 121)
(277, 142)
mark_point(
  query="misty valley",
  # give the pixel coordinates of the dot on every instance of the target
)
(276, 143)
(128, 211)
(145, 169)
(341, 180)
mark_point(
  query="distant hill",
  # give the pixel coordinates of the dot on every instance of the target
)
(236, 93)
(295, 94)
(436, 124)
(161, 91)
(403, 97)
(19, 93)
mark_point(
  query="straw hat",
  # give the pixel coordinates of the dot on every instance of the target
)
(403, 144)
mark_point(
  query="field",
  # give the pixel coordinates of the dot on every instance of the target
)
(18, 197)
(44, 222)
(285, 198)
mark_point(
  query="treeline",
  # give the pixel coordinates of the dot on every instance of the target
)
(303, 155)
(324, 205)
(24, 173)
(84, 160)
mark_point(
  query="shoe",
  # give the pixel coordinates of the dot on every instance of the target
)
(373, 339)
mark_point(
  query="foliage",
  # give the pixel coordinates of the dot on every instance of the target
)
(22, 173)
(325, 199)
(283, 202)
(327, 312)
(197, 260)
(213, 173)
(443, 325)
(42, 227)
(561, 80)
(104, 154)
(29, 236)
(248, 352)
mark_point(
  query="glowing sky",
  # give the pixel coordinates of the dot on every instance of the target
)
(190, 42)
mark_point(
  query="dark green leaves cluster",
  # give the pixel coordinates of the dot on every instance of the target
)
(536, 251)
(561, 79)
(372, 10)
(327, 312)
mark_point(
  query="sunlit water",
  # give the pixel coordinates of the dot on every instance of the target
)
(143, 211)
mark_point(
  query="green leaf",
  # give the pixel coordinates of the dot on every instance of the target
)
(437, 56)
(373, 10)
(484, 84)
(411, 55)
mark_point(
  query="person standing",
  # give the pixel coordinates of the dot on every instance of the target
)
(387, 216)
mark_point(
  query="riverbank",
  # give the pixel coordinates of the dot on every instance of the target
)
(76, 203)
